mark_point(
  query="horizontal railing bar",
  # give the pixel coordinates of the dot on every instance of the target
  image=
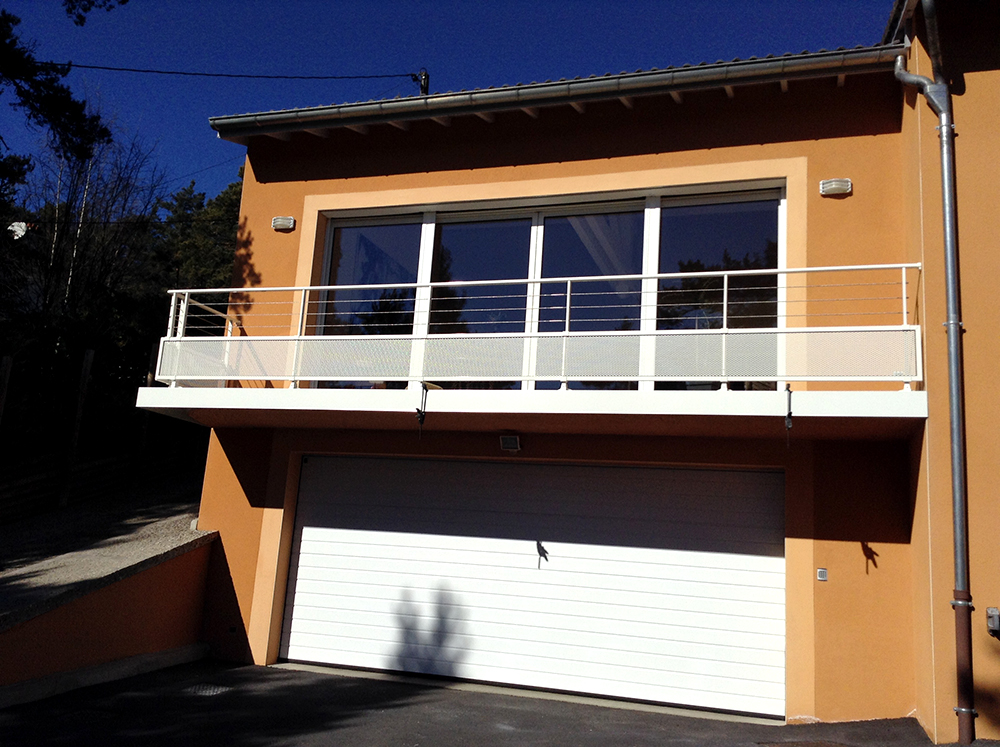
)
(542, 281)
(573, 377)
(584, 333)
(193, 302)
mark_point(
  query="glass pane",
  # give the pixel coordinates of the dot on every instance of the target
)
(491, 250)
(599, 244)
(706, 238)
(372, 255)
(484, 250)
(608, 244)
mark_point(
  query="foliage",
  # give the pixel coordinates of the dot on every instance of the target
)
(103, 242)
(45, 100)
(78, 9)
(693, 303)
(201, 237)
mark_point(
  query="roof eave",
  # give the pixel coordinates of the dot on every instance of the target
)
(240, 128)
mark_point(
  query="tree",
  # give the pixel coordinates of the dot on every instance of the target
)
(76, 272)
(45, 100)
(200, 238)
(78, 9)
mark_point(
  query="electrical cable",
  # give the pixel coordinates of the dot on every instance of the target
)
(247, 76)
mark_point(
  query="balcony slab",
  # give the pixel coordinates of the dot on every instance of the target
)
(815, 414)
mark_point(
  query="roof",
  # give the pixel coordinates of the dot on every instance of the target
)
(485, 102)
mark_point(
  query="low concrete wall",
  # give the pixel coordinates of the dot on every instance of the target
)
(159, 609)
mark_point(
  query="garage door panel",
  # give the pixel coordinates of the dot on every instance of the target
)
(546, 661)
(643, 605)
(672, 610)
(619, 681)
(692, 536)
(751, 700)
(425, 497)
(664, 585)
(362, 544)
(567, 585)
(552, 626)
(609, 647)
(522, 556)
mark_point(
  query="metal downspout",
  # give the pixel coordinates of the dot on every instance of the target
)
(938, 97)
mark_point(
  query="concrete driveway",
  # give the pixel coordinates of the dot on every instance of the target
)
(208, 703)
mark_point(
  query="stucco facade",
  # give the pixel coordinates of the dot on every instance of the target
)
(866, 489)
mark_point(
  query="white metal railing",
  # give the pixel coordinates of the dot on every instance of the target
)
(850, 323)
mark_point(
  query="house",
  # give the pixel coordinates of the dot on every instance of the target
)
(635, 385)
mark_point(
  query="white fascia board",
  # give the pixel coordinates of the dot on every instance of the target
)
(806, 404)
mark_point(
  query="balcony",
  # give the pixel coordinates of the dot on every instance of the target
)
(681, 344)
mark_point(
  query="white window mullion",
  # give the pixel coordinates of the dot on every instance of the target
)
(422, 298)
(532, 303)
(647, 313)
(782, 283)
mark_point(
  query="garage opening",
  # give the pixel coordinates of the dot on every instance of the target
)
(665, 585)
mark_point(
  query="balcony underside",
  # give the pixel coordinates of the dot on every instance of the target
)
(753, 414)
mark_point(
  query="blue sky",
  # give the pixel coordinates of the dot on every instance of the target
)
(462, 44)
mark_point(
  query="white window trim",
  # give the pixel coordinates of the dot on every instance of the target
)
(537, 210)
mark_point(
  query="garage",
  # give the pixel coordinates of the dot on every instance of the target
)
(663, 585)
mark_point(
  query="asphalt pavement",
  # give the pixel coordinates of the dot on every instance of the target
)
(209, 703)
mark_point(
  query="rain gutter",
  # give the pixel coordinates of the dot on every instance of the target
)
(939, 99)
(240, 128)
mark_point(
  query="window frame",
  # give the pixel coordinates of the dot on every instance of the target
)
(649, 201)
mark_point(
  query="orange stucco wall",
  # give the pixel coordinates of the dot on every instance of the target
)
(876, 639)
(834, 671)
(970, 50)
(155, 610)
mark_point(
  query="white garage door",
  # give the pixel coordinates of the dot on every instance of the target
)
(653, 584)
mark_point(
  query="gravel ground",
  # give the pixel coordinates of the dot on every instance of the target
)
(47, 559)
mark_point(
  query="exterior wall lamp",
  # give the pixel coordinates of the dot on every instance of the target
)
(510, 444)
(283, 223)
(834, 187)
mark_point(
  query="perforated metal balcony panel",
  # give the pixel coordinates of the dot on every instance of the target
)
(650, 584)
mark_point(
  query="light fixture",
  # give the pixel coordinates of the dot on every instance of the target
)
(510, 443)
(283, 223)
(832, 187)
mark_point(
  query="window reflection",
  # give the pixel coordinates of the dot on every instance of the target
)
(482, 250)
(372, 255)
(597, 244)
(493, 250)
(709, 238)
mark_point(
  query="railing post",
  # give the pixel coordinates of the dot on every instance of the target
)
(569, 293)
(182, 319)
(907, 386)
(300, 332)
(173, 315)
(725, 326)
(181, 328)
(422, 301)
(906, 313)
(649, 287)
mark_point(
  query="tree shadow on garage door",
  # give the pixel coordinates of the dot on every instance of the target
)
(431, 644)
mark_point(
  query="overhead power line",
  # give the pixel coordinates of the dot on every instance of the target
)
(418, 77)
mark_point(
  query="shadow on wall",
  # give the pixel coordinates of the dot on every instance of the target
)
(439, 650)
(987, 693)
(758, 115)
(245, 274)
(864, 492)
(222, 624)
